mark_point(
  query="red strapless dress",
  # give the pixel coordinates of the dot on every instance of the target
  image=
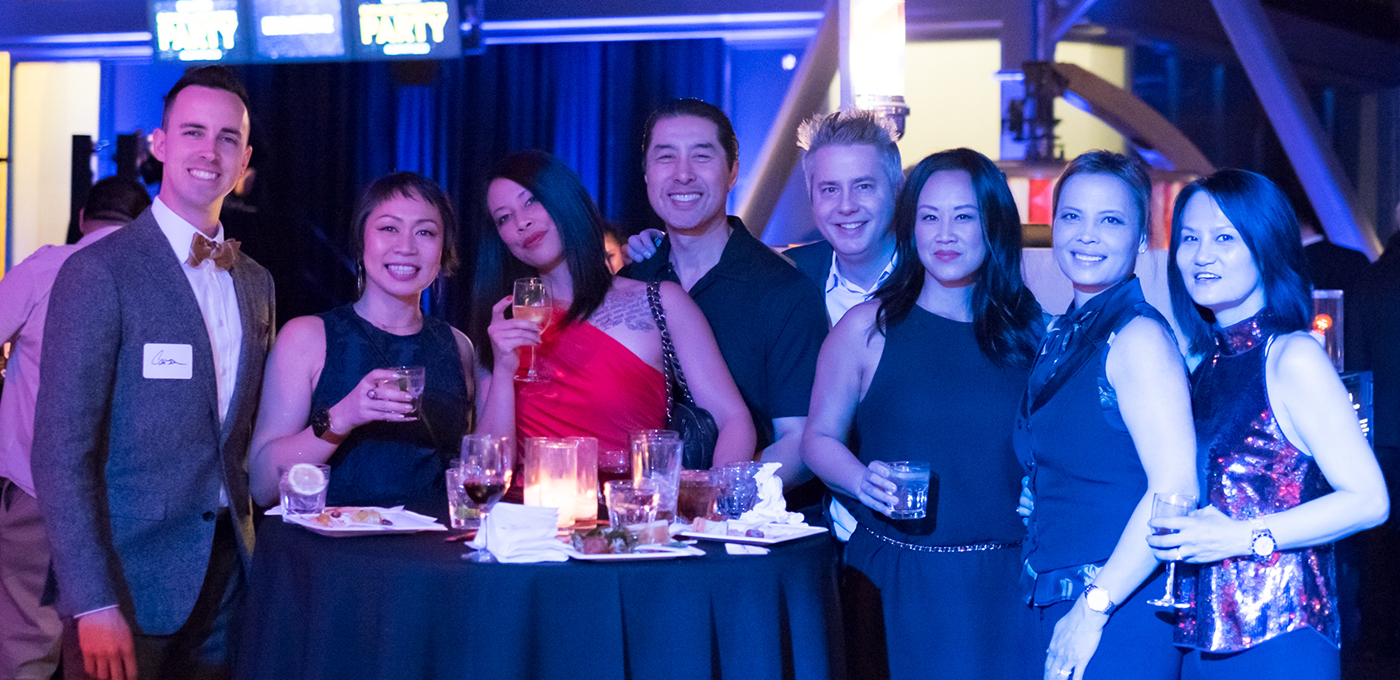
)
(597, 388)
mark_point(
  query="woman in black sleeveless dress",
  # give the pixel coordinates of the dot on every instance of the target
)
(932, 371)
(1284, 466)
(1106, 422)
(328, 396)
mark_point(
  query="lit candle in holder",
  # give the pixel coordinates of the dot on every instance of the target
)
(1327, 324)
(551, 476)
(586, 498)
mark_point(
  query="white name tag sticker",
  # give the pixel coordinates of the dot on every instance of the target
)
(167, 362)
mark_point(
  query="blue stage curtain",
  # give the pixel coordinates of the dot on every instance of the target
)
(324, 131)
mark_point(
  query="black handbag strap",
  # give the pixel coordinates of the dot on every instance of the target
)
(668, 350)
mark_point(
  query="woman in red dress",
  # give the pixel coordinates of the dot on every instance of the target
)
(601, 353)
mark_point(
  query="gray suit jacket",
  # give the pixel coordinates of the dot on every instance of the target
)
(127, 469)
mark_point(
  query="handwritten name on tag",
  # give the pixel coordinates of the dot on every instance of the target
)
(167, 362)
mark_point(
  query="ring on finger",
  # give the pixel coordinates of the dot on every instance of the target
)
(372, 394)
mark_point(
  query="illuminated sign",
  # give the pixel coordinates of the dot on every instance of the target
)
(197, 30)
(298, 29)
(393, 28)
(243, 31)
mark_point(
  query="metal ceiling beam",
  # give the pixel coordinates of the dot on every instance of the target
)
(806, 95)
(1066, 19)
(1332, 195)
(1134, 119)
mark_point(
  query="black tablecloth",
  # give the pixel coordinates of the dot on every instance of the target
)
(408, 606)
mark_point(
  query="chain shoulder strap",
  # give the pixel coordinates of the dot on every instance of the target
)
(668, 349)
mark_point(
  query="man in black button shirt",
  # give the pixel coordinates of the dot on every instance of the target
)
(768, 319)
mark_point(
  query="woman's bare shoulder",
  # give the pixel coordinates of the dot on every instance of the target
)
(302, 333)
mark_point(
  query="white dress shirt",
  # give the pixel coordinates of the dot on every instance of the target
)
(842, 295)
(213, 289)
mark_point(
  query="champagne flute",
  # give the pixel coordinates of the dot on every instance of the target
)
(488, 463)
(532, 303)
(1170, 505)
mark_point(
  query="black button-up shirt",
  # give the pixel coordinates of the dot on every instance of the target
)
(768, 319)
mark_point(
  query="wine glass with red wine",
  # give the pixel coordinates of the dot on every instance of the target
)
(487, 465)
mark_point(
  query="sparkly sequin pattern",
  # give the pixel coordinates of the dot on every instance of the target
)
(1251, 470)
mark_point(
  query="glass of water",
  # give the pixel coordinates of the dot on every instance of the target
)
(656, 455)
(632, 505)
(910, 479)
(303, 488)
(411, 379)
(462, 513)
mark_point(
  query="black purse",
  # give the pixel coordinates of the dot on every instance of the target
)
(696, 426)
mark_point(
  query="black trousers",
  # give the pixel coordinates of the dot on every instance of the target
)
(1299, 655)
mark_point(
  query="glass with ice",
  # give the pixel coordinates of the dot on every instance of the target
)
(656, 455)
(462, 512)
(698, 491)
(632, 505)
(410, 379)
(910, 479)
(303, 488)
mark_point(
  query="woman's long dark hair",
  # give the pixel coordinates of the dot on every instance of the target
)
(1005, 315)
(580, 227)
(1260, 211)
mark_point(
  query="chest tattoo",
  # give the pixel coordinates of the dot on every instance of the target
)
(630, 309)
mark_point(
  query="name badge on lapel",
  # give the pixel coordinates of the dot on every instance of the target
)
(167, 362)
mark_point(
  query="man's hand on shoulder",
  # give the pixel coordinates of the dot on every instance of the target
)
(643, 246)
(108, 652)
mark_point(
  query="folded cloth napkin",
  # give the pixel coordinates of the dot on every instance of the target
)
(518, 534)
(741, 549)
(771, 506)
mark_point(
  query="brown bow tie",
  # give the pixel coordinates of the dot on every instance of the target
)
(221, 254)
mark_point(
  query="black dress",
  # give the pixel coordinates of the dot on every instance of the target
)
(388, 464)
(937, 597)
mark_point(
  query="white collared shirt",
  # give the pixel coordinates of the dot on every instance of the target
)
(842, 295)
(213, 289)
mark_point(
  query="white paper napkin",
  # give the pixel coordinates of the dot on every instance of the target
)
(771, 506)
(741, 549)
(519, 534)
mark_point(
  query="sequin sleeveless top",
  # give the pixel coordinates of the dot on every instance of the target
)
(1251, 470)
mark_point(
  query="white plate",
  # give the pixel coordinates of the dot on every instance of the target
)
(773, 534)
(404, 522)
(656, 553)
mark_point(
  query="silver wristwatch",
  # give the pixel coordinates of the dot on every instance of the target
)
(1098, 601)
(1261, 541)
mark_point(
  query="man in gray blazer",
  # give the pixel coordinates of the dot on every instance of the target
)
(151, 371)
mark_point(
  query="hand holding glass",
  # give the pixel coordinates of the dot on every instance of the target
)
(532, 303)
(410, 379)
(911, 479)
(1170, 505)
